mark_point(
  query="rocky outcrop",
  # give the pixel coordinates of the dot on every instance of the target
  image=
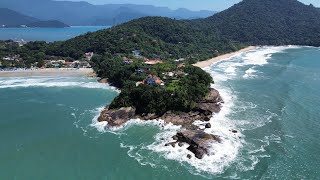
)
(198, 140)
(103, 80)
(210, 104)
(117, 117)
(203, 112)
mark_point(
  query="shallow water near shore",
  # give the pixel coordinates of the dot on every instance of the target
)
(48, 127)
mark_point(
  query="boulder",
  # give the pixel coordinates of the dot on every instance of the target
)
(173, 144)
(198, 140)
(234, 131)
(189, 156)
(103, 80)
(210, 104)
(208, 125)
(175, 137)
(213, 97)
(117, 117)
(206, 118)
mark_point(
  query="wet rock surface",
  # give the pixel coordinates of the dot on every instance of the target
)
(117, 117)
(196, 138)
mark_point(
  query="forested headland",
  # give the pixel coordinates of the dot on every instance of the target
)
(122, 52)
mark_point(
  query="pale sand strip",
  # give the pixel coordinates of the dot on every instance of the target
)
(203, 64)
(61, 72)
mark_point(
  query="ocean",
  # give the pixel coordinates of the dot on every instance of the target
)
(46, 34)
(49, 128)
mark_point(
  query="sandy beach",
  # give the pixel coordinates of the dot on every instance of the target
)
(85, 72)
(203, 64)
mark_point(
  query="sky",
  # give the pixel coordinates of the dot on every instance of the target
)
(216, 5)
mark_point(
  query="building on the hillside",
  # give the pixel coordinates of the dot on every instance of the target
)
(153, 80)
(137, 54)
(127, 60)
(88, 56)
(181, 65)
(12, 58)
(84, 64)
(69, 65)
(138, 83)
(170, 74)
(140, 71)
(180, 60)
(153, 62)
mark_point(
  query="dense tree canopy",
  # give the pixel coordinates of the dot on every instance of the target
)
(268, 22)
(251, 22)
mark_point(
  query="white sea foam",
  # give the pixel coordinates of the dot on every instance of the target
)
(261, 55)
(250, 73)
(51, 82)
(222, 154)
(229, 68)
(228, 151)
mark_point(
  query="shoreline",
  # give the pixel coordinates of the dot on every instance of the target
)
(209, 62)
(60, 72)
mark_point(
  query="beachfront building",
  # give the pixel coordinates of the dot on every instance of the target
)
(66, 64)
(12, 58)
(81, 64)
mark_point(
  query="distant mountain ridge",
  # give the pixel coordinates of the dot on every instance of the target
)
(83, 13)
(10, 18)
(269, 22)
(250, 22)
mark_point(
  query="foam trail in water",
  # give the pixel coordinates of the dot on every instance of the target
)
(51, 82)
(222, 154)
(250, 73)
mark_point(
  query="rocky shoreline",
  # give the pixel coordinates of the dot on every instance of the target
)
(198, 140)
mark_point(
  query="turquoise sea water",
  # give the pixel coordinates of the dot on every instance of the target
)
(48, 127)
(46, 34)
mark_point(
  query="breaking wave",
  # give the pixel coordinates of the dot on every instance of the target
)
(25, 82)
(234, 153)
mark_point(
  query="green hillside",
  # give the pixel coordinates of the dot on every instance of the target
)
(269, 22)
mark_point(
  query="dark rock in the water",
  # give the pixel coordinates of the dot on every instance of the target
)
(161, 139)
(198, 140)
(175, 137)
(103, 80)
(189, 156)
(207, 118)
(208, 125)
(173, 144)
(234, 131)
(117, 117)
(148, 116)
